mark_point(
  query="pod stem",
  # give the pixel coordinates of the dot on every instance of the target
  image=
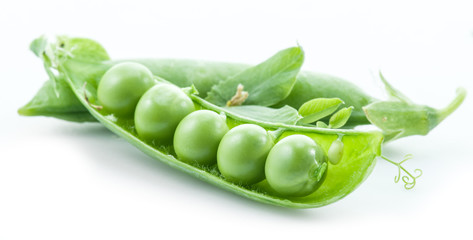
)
(457, 101)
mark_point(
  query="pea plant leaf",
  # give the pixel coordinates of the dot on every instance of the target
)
(266, 83)
(341, 117)
(393, 93)
(38, 46)
(80, 49)
(54, 52)
(318, 108)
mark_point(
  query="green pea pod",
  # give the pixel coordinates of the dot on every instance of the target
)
(204, 75)
(361, 148)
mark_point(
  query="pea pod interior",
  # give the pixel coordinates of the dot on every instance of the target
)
(360, 148)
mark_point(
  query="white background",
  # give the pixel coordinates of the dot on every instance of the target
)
(61, 180)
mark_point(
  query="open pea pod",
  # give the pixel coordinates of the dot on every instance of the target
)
(360, 148)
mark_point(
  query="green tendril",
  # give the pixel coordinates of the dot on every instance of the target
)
(410, 179)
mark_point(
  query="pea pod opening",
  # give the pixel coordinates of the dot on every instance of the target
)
(361, 148)
(83, 77)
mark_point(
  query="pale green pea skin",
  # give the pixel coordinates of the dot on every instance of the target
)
(335, 152)
(122, 86)
(198, 135)
(159, 111)
(242, 154)
(296, 166)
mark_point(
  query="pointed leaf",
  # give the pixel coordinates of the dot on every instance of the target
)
(266, 83)
(38, 46)
(318, 108)
(340, 118)
(392, 92)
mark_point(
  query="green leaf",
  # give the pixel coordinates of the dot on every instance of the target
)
(38, 46)
(318, 108)
(52, 53)
(285, 115)
(267, 83)
(392, 92)
(55, 98)
(340, 118)
(80, 49)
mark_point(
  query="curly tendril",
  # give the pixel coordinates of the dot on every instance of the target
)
(410, 179)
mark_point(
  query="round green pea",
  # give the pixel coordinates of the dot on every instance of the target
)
(198, 135)
(242, 153)
(159, 111)
(122, 86)
(296, 166)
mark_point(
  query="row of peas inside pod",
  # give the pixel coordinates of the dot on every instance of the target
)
(245, 154)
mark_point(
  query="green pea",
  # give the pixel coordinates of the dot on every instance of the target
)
(242, 153)
(198, 135)
(159, 112)
(296, 166)
(122, 86)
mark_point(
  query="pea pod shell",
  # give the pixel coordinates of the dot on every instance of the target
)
(361, 149)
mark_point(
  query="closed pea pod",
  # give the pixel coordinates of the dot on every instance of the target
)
(198, 135)
(242, 153)
(159, 112)
(204, 75)
(296, 166)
